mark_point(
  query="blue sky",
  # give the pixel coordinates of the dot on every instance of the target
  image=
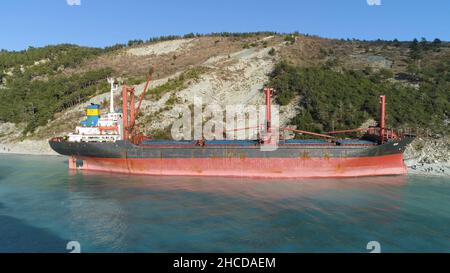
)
(101, 22)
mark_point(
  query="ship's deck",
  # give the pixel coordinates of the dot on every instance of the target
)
(291, 142)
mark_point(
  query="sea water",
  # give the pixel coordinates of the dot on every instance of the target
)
(43, 207)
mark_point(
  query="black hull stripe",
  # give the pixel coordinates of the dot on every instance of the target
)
(124, 149)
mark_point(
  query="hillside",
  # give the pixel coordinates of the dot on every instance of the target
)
(322, 84)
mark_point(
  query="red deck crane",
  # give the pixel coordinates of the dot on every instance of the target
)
(129, 131)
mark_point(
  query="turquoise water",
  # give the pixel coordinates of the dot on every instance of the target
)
(43, 206)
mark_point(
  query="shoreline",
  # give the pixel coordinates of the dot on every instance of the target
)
(27, 147)
(441, 169)
(29, 154)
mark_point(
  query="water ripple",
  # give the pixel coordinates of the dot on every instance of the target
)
(122, 213)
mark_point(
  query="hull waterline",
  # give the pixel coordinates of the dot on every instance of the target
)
(285, 162)
(248, 167)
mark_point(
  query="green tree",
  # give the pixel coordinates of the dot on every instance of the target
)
(333, 100)
(415, 50)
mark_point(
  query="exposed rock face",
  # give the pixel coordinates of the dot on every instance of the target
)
(429, 156)
(234, 79)
(161, 47)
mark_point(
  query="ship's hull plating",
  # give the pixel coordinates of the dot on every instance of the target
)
(287, 161)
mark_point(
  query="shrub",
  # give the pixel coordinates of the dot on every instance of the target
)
(272, 52)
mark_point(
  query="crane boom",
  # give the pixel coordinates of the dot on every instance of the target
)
(149, 78)
(141, 98)
(307, 133)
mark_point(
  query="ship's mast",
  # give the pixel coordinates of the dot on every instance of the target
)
(114, 87)
(268, 92)
(382, 117)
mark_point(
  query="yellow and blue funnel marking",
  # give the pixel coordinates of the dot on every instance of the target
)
(93, 114)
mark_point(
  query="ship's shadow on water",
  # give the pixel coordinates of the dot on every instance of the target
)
(17, 236)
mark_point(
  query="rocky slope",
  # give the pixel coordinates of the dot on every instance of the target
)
(429, 156)
(228, 70)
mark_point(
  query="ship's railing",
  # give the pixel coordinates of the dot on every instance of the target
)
(375, 132)
(414, 131)
(58, 139)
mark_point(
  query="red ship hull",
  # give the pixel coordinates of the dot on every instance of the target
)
(249, 167)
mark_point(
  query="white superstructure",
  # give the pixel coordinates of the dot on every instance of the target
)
(107, 128)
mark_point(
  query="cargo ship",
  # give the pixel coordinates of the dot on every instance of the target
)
(111, 143)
